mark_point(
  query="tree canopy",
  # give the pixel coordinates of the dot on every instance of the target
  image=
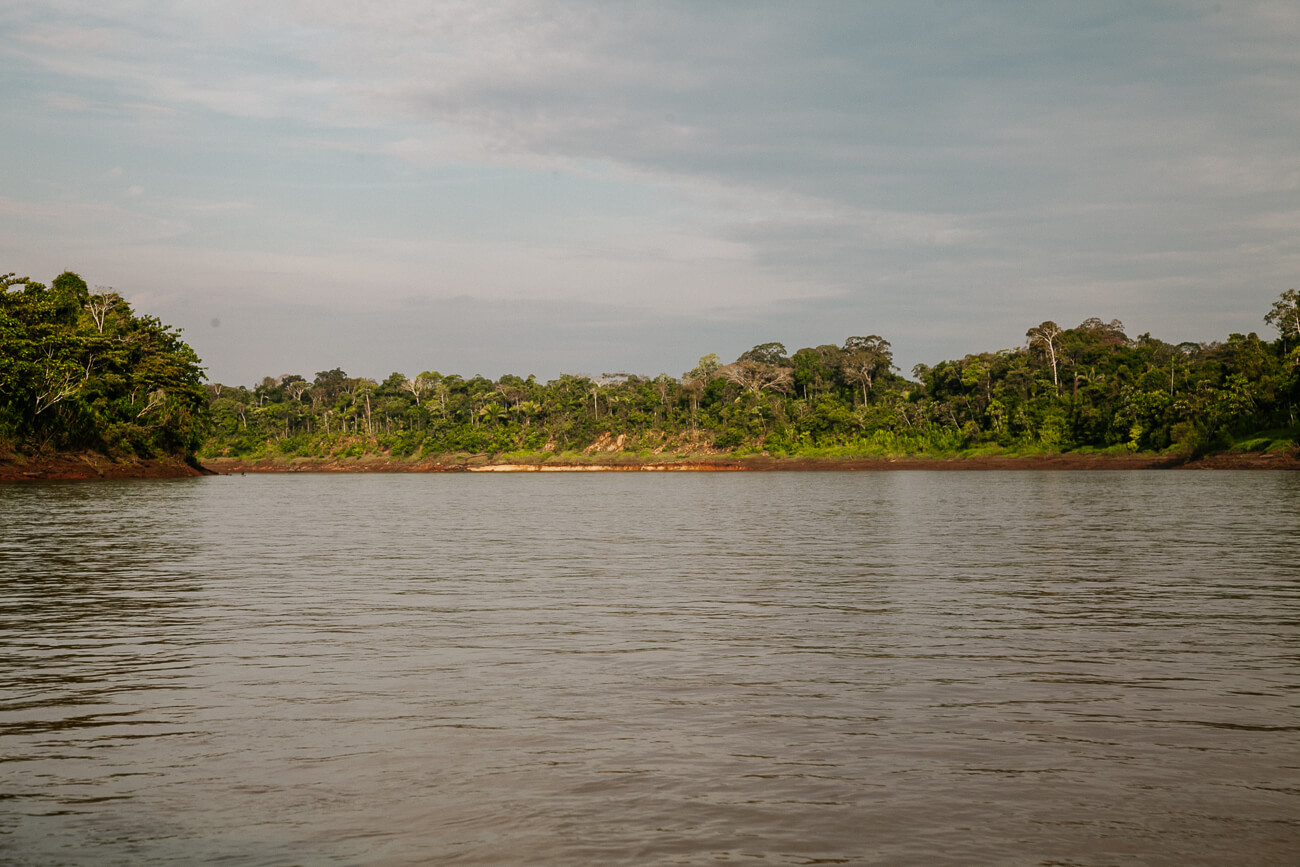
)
(1087, 387)
(80, 370)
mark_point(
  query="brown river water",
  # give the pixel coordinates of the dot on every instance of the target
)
(1038, 668)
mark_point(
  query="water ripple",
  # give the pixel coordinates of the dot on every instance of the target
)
(947, 668)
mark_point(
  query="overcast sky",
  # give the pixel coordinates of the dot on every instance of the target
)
(587, 187)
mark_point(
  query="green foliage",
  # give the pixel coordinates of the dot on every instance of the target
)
(1285, 317)
(1089, 388)
(79, 370)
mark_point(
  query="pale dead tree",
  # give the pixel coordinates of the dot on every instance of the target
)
(57, 386)
(599, 382)
(417, 386)
(155, 400)
(364, 388)
(57, 381)
(1047, 335)
(863, 359)
(297, 388)
(695, 380)
(755, 376)
(595, 392)
(663, 384)
(100, 303)
(440, 393)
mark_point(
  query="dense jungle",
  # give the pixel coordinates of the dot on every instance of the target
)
(80, 370)
(1086, 388)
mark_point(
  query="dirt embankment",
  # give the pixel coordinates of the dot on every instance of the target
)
(89, 465)
(96, 466)
(759, 463)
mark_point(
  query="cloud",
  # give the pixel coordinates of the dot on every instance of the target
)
(926, 170)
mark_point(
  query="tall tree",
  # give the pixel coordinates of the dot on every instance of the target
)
(767, 353)
(755, 376)
(1285, 317)
(865, 359)
(1047, 338)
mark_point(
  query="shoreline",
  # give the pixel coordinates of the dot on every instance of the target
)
(90, 466)
(765, 463)
(86, 466)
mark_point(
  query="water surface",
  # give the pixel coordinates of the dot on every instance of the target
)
(875, 668)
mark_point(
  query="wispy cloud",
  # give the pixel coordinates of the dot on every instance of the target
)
(922, 169)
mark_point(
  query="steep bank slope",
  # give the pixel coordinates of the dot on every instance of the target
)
(89, 465)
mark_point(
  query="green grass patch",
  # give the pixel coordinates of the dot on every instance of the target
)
(1274, 440)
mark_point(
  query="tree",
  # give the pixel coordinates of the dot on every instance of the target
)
(362, 389)
(706, 370)
(663, 384)
(599, 382)
(864, 359)
(1047, 336)
(814, 369)
(440, 390)
(767, 353)
(1285, 316)
(755, 376)
(296, 387)
(1107, 332)
(331, 384)
(417, 386)
(100, 303)
(697, 379)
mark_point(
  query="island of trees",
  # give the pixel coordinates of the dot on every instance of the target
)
(79, 370)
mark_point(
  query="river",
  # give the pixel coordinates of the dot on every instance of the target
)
(1038, 668)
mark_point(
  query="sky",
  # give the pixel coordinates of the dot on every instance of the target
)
(546, 187)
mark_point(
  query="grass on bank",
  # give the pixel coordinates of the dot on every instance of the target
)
(310, 449)
(1275, 441)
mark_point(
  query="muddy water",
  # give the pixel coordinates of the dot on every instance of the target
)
(891, 668)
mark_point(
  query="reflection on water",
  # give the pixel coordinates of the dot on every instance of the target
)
(930, 668)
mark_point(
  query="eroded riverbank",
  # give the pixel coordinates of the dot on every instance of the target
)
(757, 463)
(86, 466)
(91, 465)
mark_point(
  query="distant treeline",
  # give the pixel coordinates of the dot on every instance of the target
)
(1087, 387)
(80, 371)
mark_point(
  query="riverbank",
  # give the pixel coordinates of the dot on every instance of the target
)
(759, 463)
(91, 465)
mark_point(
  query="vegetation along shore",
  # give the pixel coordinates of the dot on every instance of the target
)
(90, 389)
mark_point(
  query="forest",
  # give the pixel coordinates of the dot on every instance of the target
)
(1086, 388)
(79, 370)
